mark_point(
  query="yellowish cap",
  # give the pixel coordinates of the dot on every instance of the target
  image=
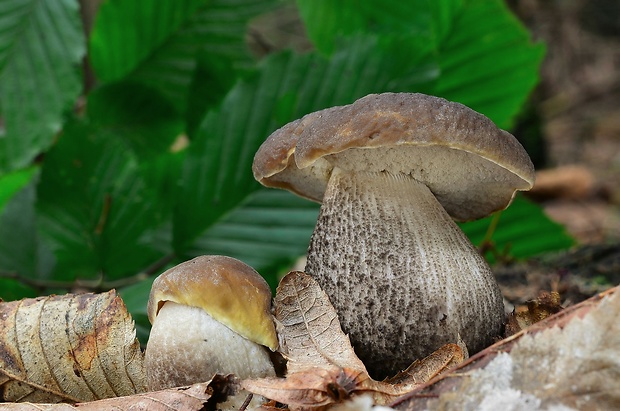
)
(229, 290)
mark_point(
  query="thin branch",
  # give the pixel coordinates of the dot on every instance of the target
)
(89, 285)
(39, 284)
(157, 266)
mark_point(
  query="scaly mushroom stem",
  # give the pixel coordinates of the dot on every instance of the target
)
(187, 345)
(402, 275)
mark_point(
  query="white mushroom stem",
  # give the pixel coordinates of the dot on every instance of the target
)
(187, 345)
(402, 275)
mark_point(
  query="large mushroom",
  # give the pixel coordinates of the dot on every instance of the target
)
(392, 171)
(211, 314)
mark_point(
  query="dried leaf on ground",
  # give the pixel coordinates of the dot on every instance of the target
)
(438, 362)
(68, 348)
(568, 361)
(195, 397)
(545, 305)
(308, 327)
(322, 366)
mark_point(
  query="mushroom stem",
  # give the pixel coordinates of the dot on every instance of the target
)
(187, 345)
(402, 275)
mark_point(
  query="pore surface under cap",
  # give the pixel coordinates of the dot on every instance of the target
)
(471, 166)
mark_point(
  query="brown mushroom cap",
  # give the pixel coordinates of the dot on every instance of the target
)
(470, 165)
(230, 291)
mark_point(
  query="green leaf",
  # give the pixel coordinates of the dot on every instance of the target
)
(127, 33)
(96, 208)
(12, 290)
(217, 176)
(157, 42)
(270, 230)
(41, 46)
(14, 182)
(326, 21)
(211, 81)
(523, 231)
(23, 254)
(487, 60)
(485, 55)
(145, 120)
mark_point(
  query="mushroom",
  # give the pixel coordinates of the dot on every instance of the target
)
(392, 171)
(210, 315)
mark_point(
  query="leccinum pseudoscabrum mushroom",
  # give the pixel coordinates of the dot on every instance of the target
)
(391, 171)
(210, 315)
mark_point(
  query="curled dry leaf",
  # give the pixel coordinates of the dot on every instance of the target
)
(322, 366)
(194, 397)
(68, 348)
(545, 305)
(438, 362)
(308, 389)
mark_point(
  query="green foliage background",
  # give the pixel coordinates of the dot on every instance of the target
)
(107, 187)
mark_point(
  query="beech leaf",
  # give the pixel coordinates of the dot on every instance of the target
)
(308, 327)
(194, 397)
(322, 367)
(68, 348)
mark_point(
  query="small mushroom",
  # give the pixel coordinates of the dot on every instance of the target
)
(392, 172)
(210, 315)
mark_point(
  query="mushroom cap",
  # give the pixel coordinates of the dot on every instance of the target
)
(470, 165)
(229, 290)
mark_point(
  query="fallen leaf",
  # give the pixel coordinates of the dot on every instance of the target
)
(570, 360)
(571, 182)
(308, 389)
(194, 397)
(308, 327)
(545, 305)
(438, 362)
(322, 366)
(68, 348)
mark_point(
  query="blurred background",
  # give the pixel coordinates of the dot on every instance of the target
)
(576, 111)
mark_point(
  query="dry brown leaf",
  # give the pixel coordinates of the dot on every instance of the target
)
(68, 348)
(572, 182)
(308, 327)
(570, 360)
(545, 305)
(322, 366)
(311, 388)
(422, 371)
(194, 397)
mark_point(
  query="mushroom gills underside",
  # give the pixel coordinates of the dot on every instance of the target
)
(402, 275)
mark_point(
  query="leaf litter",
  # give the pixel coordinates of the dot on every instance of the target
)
(322, 367)
(68, 348)
(81, 348)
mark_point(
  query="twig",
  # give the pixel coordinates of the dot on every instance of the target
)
(245, 404)
(94, 285)
(36, 283)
